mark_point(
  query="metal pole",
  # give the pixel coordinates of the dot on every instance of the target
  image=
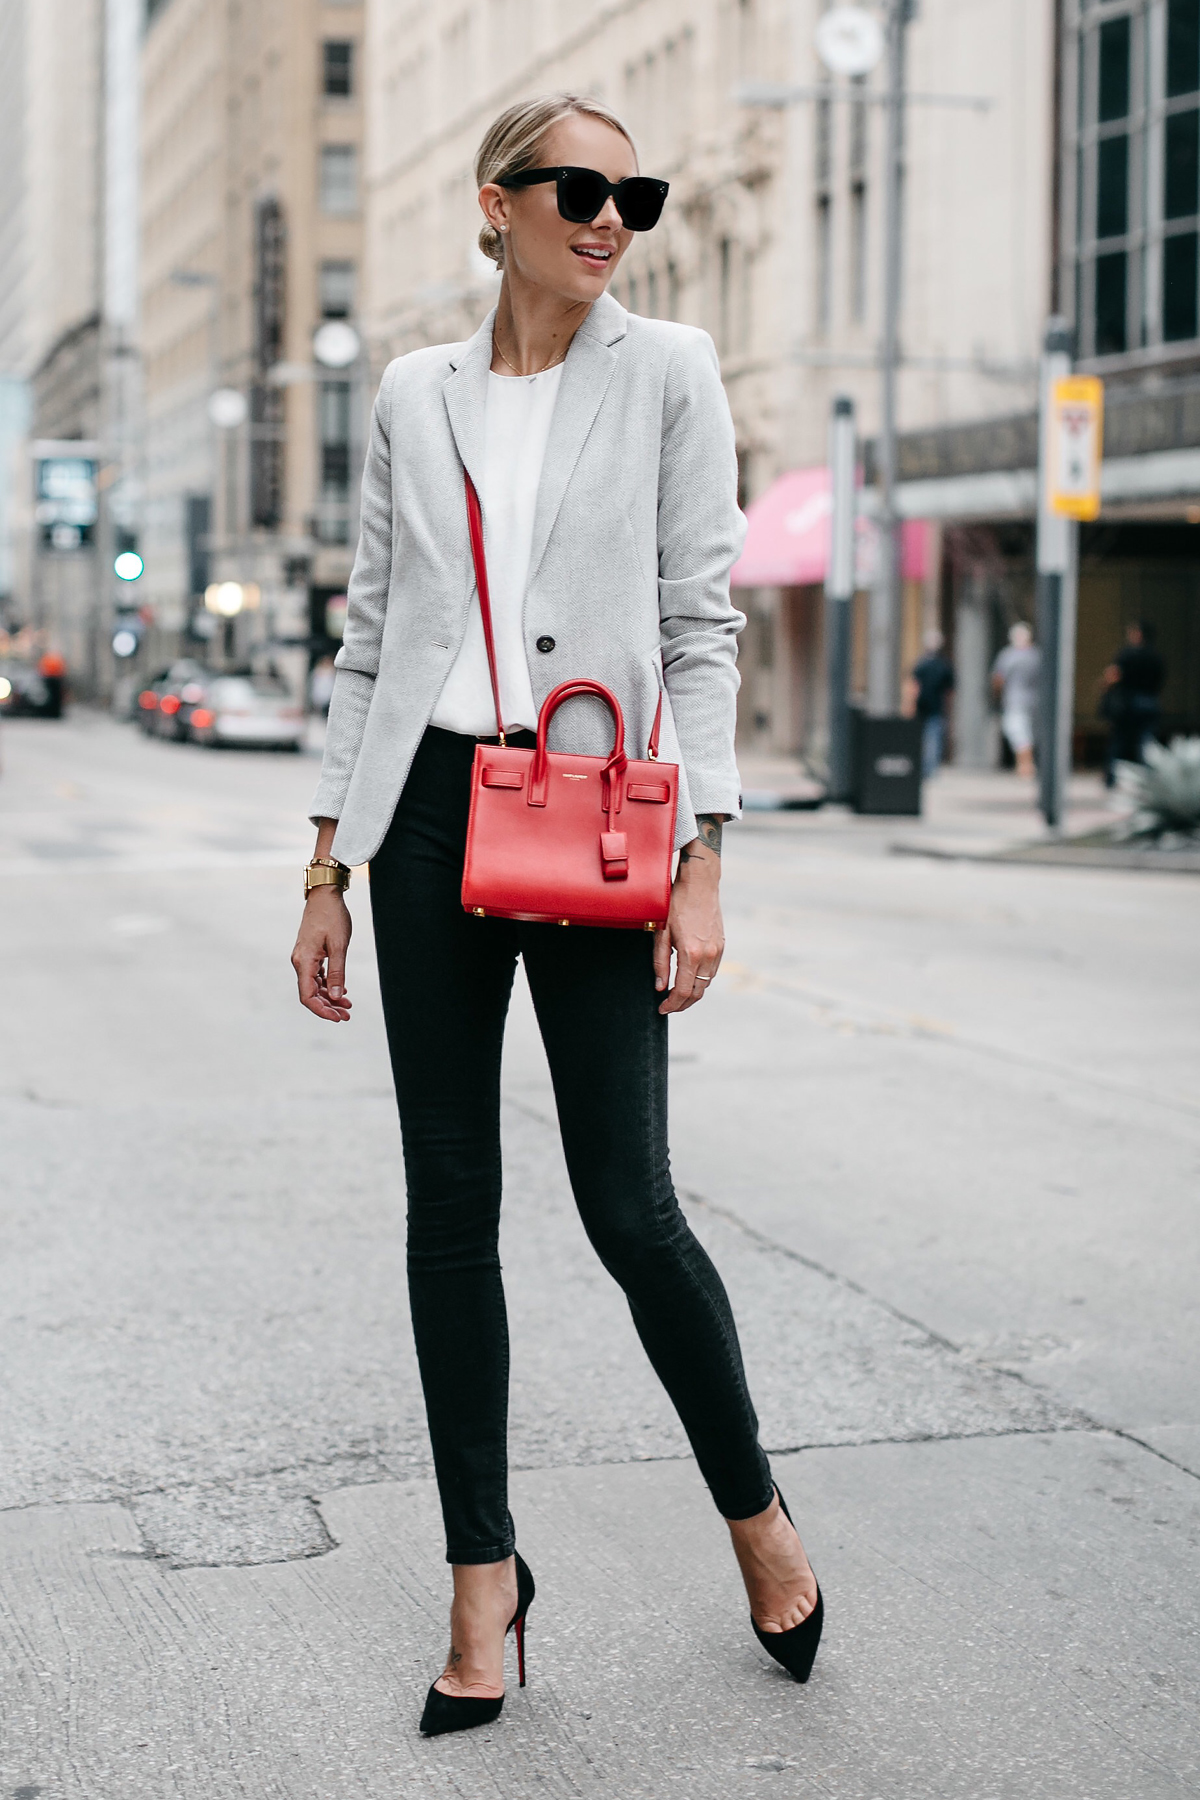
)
(839, 594)
(1057, 538)
(883, 679)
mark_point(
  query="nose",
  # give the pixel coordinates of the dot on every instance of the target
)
(608, 216)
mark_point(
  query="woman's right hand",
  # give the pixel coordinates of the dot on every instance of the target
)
(319, 958)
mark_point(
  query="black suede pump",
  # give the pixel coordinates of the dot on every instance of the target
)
(795, 1650)
(460, 1712)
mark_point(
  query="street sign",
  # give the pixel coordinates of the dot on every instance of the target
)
(66, 500)
(1075, 447)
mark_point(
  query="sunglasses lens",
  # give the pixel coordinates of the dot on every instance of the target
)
(640, 203)
(581, 194)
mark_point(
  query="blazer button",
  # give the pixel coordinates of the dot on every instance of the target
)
(545, 645)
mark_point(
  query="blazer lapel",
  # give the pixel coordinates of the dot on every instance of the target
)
(585, 378)
(465, 391)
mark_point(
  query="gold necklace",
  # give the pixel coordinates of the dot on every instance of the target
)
(554, 361)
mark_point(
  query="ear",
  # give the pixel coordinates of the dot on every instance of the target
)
(496, 205)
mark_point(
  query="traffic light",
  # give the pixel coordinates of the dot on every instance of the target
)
(127, 636)
(127, 562)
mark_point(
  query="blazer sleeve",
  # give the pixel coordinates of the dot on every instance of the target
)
(357, 662)
(700, 534)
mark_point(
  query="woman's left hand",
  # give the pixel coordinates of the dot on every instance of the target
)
(694, 929)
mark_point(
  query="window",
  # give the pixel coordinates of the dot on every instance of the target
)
(339, 178)
(336, 290)
(333, 427)
(725, 296)
(824, 263)
(338, 73)
(858, 208)
(824, 174)
(1137, 175)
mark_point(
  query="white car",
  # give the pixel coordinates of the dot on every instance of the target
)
(248, 709)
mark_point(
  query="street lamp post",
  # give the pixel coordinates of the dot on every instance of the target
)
(839, 594)
(883, 657)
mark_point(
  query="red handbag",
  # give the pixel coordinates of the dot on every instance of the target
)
(566, 840)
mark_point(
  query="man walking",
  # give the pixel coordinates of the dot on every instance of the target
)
(933, 678)
(1132, 684)
(1015, 680)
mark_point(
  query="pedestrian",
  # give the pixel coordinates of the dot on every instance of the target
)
(53, 670)
(933, 678)
(320, 685)
(1015, 675)
(603, 449)
(1132, 684)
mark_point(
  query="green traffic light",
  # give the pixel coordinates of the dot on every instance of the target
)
(128, 566)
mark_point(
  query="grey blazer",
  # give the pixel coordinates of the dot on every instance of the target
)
(636, 529)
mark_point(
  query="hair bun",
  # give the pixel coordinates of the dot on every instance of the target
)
(492, 244)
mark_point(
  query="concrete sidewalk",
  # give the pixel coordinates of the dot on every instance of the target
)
(962, 1657)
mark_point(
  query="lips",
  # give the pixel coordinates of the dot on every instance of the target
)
(595, 256)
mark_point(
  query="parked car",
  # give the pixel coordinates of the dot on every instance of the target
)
(163, 710)
(24, 691)
(248, 709)
(147, 701)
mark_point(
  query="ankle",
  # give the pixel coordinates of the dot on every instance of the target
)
(747, 1531)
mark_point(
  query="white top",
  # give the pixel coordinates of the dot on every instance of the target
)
(517, 425)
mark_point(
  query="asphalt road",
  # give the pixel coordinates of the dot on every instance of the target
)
(939, 1124)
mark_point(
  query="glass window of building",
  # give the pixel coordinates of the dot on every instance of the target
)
(339, 178)
(1134, 172)
(338, 71)
(333, 424)
(336, 290)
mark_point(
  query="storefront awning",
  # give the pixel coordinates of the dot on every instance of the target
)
(787, 544)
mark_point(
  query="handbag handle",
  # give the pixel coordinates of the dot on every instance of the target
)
(561, 693)
(613, 769)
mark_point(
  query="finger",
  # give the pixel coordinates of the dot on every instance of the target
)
(313, 991)
(335, 979)
(333, 1007)
(662, 959)
(683, 988)
(308, 970)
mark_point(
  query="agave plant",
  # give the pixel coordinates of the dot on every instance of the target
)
(1165, 791)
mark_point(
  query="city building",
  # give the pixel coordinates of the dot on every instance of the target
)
(772, 236)
(251, 150)
(51, 303)
(1125, 226)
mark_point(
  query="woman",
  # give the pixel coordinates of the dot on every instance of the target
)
(602, 448)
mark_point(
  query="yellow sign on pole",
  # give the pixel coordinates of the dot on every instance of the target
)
(1075, 447)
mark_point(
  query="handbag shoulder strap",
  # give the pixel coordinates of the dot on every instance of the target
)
(475, 524)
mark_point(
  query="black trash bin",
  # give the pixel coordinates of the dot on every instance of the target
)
(887, 765)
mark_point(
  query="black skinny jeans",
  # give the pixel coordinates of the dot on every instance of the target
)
(446, 978)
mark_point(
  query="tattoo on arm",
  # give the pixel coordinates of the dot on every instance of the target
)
(708, 830)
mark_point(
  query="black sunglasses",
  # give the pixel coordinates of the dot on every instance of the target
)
(583, 192)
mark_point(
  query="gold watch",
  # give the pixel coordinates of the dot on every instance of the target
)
(323, 871)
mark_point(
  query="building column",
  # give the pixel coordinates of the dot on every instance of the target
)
(972, 644)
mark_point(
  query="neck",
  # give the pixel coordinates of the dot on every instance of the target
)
(534, 326)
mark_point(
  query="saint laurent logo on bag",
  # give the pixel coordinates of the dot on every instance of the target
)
(574, 777)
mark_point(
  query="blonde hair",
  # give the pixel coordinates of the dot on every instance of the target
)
(512, 143)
